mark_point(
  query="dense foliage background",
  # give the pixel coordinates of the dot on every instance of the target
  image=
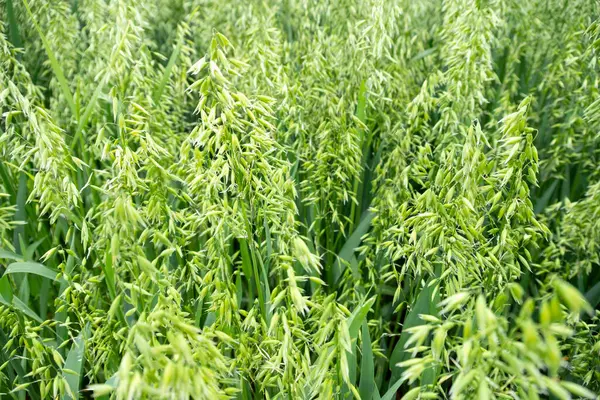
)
(276, 199)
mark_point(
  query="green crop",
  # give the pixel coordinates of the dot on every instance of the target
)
(310, 199)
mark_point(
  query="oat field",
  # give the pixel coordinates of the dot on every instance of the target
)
(299, 199)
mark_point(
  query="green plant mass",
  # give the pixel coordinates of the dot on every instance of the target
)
(299, 199)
